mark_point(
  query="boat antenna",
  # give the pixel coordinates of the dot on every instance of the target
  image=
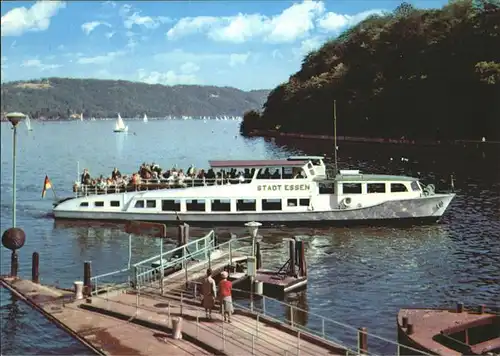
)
(335, 135)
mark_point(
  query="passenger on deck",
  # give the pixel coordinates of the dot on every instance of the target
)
(299, 175)
(208, 291)
(116, 174)
(225, 297)
(85, 179)
(276, 174)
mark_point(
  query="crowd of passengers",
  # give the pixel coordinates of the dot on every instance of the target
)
(154, 174)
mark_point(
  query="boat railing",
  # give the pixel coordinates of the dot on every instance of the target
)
(152, 184)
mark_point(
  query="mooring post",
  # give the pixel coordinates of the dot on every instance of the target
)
(186, 234)
(362, 341)
(404, 322)
(460, 307)
(180, 235)
(35, 260)
(86, 278)
(14, 264)
(258, 256)
(291, 248)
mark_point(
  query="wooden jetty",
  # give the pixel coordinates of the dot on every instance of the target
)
(142, 310)
(450, 332)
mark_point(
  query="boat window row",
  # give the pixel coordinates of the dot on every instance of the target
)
(357, 188)
(283, 173)
(217, 205)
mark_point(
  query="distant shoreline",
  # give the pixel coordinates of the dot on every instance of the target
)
(419, 142)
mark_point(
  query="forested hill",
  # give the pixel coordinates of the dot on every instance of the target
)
(61, 97)
(431, 74)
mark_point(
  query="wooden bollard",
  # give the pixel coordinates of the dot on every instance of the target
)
(87, 287)
(35, 261)
(291, 249)
(180, 235)
(258, 255)
(14, 264)
(409, 329)
(362, 340)
(186, 234)
(481, 309)
(460, 307)
(404, 322)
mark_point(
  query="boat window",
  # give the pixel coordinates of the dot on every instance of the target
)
(221, 205)
(245, 205)
(327, 188)
(114, 203)
(271, 204)
(299, 173)
(171, 205)
(311, 168)
(99, 203)
(84, 203)
(150, 203)
(291, 202)
(287, 172)
(398, 188)
(316, 162)
(351, 188)
(139, 204)
(304, 202)
(268, 173)
(195, 205)
(414, 186)
(376, 188)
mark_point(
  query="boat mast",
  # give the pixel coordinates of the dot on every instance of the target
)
(335, 134)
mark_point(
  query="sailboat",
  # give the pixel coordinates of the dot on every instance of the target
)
(120, 125)
(145, 119)
(28, 123)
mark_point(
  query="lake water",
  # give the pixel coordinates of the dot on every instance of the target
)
(359, 276)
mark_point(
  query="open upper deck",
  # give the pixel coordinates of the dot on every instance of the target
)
(256, 163)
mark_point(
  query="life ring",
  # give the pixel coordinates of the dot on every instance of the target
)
(346, 202)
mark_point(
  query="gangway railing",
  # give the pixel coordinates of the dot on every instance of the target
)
(322, 328)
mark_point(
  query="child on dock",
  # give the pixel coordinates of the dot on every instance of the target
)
(225, 296)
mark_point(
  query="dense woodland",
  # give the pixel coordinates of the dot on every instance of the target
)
(432, 74)
(62, 97)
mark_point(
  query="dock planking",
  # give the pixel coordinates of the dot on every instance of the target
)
(125, 323)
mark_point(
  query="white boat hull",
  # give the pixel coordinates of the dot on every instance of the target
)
(425, 208)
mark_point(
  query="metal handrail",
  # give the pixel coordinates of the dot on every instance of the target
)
(94, 189)
(198, 310)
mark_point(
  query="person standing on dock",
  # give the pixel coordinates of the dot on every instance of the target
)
(208, 291)
(225, 297)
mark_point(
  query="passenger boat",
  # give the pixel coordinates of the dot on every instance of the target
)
(297, 189)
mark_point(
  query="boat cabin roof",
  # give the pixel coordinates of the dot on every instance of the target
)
(256, 163)
(373, 177)
(304, 158)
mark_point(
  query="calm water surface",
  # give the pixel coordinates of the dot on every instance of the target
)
(357, 276)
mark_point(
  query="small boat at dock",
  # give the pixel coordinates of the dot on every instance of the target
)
(459, 331)
(293, 190)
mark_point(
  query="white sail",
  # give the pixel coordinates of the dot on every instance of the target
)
(81, 117)
(120, 125)
(28, 123)
(145, 119)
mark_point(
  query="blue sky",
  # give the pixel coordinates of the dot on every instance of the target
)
(243, 44)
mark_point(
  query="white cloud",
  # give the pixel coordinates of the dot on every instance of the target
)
(102, 59)
(191, 25)
(333, 22)
(294, 22)
(189, 68)
(109, 3)
(236, 59)
(108, 35)
(308, 45)
(276, 54)
(135, 18)
(37, 18)
(36, 63)
(88, 27)
(167, 78)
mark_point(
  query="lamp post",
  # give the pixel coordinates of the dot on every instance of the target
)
(14, 118)
(253, 228)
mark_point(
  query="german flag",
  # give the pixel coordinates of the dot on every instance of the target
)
(46, 185)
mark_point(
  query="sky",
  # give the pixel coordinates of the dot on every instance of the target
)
(242, 44)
